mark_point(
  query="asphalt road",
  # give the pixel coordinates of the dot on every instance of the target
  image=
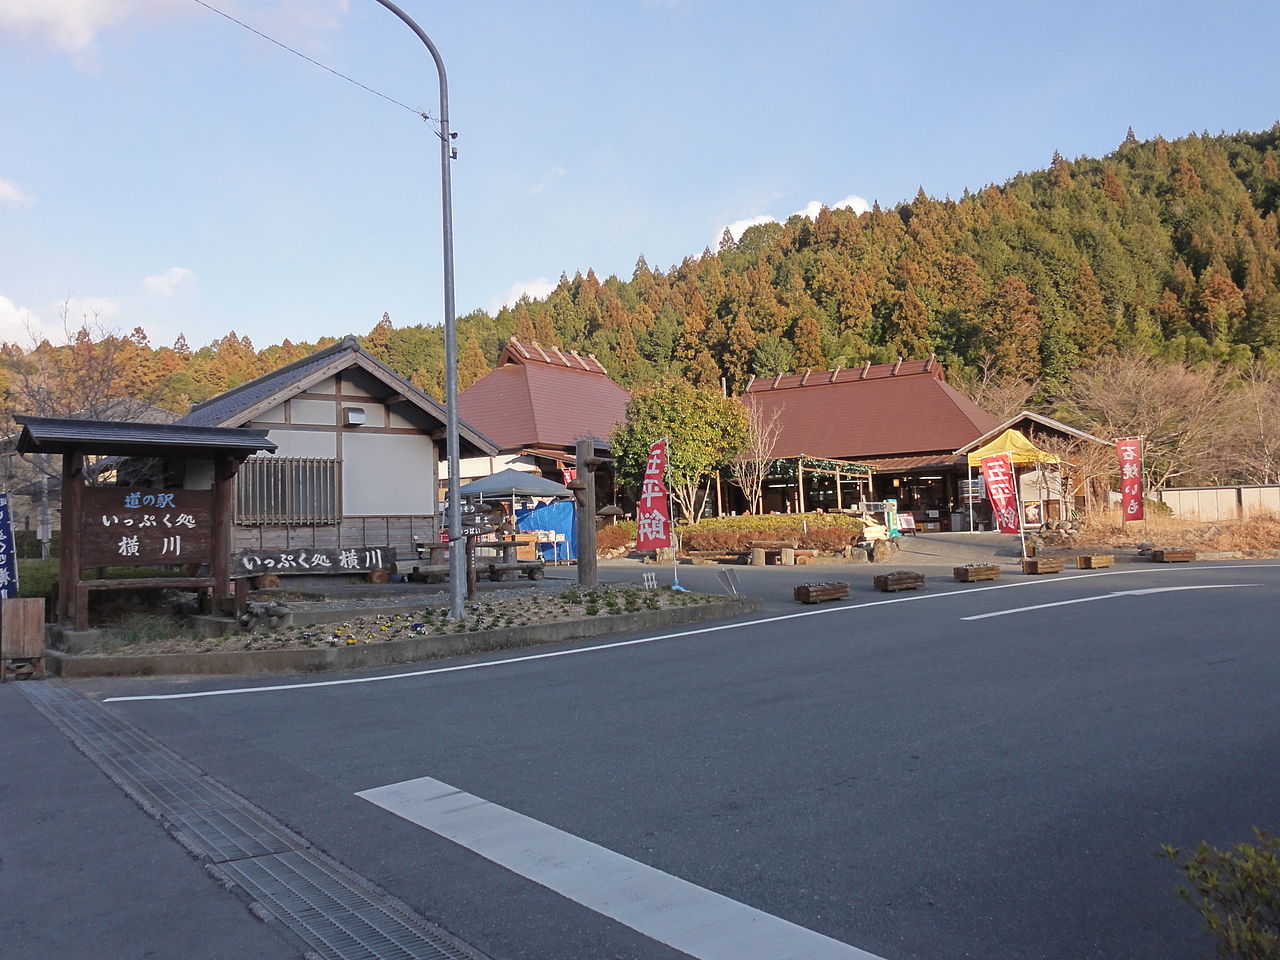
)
(885, 772)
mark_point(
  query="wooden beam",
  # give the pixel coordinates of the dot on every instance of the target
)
(69, 567)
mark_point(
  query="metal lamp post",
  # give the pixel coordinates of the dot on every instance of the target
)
(457, 557)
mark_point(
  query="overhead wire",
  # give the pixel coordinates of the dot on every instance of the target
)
(337, 73)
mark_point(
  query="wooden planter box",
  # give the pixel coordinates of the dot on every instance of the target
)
(899, 580)
(976, 571)
(1095, 561)
(1173, 555)
(817, 592)
(1043, 565)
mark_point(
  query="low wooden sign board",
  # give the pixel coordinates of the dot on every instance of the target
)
(136, 526)
(257, 563)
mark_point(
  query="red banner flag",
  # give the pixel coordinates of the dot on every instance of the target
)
(1129, 453)
(653, 514)
(998, 477)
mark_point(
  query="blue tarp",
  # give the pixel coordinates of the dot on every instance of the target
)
(557, 516)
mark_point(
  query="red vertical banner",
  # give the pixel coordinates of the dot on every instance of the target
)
(998, 477)
(1129, 453)
(653, 515)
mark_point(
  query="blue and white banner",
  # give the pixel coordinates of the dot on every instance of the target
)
(8, 552)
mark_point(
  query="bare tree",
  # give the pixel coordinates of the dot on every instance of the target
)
(1091, 464)
(1001, 395)
(1252, 444)
(751, 469)
(1179, 410)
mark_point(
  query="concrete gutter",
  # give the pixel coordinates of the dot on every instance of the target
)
(363, 656)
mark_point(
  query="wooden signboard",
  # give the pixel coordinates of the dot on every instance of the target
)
(256, 563)
(133, 526)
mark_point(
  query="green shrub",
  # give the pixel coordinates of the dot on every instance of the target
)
(1237, 894)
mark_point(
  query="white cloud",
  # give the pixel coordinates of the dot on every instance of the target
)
(739, 227)
(853, 202)
(555, 173)
(86, 310)
(74, 25)
(19, 325)
(10, 192)
(811, 210)
(165, 283)
(531, 288)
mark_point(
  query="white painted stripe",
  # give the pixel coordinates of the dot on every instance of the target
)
(683, 915)
(915, 598)
(1109, 596)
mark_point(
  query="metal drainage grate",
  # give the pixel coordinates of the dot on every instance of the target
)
(339, 913)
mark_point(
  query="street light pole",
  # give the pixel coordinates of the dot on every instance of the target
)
(457, 556)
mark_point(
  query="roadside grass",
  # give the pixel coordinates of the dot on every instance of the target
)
(1257, 532)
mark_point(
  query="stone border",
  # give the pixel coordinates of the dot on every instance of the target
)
(387, 653)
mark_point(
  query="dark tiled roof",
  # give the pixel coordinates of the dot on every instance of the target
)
(229, 407)
(869, 412)
(531, 401)
(45, 435)
(225, 407)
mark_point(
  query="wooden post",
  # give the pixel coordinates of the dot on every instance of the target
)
(584, 492)
(224, 474)
(800, 482)
(839, 494)
(69, 567)
(471, 566)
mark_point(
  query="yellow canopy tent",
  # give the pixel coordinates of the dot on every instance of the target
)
(1013, 442)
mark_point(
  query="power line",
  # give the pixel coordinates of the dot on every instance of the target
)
(284, 46)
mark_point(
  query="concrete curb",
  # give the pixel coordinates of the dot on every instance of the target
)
(362, 656)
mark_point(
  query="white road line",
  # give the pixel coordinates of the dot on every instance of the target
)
(594, 648)
(1108, 596)
(703, 924)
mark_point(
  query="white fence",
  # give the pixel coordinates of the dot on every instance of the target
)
(1221, 503)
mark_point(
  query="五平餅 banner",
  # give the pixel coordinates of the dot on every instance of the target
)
(998, 478)
(1129, 453)
(653, 514)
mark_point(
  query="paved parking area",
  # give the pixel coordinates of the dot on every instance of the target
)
(892, 774)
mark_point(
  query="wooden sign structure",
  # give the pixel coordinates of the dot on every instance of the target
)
(136, 526)
(257, 563)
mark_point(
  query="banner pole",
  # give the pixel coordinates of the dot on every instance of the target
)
(1142, 474)
(1017, 502)
(675, 540)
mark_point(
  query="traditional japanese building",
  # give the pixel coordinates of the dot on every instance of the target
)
(535, 405)
(903, 420)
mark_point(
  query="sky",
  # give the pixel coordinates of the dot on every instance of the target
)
(163, 167)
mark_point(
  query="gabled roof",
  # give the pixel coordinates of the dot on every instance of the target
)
(243, 403)
(542, 396)
(884, 410)
(1026, 416)
(120, 438)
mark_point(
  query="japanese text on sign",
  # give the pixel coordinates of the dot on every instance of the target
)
(1129, 455)
(143, 526)
(999, 480)
(653, 512)
(255, 563)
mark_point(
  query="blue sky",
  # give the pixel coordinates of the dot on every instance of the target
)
(164, 168)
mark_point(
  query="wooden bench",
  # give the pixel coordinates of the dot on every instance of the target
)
(700, 557)
(1173, 555)
(533, 569)
(780, 551)
(818, 592)
(898, 580)
(1042, 565)
(21, 638)
(1095, 561)
(973, 572)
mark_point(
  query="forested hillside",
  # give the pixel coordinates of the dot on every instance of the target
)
(1169, 249)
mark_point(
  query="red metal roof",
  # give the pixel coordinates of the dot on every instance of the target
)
(886, 410)
(540, 396)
